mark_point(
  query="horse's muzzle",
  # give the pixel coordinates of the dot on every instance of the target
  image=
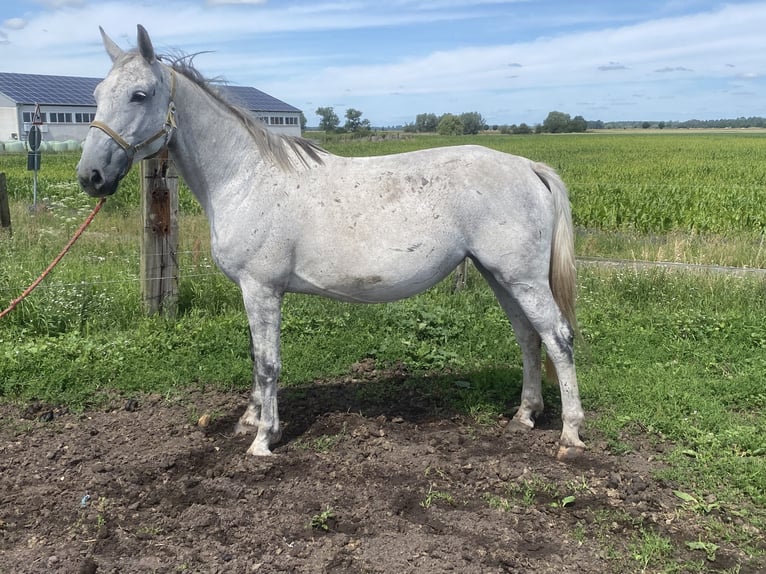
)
(95, 185)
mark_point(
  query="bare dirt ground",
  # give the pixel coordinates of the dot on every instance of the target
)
(361, 483)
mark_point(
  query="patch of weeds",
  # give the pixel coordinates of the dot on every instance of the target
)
(707, 547)
(101, 507)
(323, 443)
(523, 491)
(323, 520)
(650, 548)
(695, 504)
(619, 447)
(484, 415)
(434, 495)
(528, 497)
(565, 501)
(497, 502)
(326, 443)
(529, 490)
(580, 532)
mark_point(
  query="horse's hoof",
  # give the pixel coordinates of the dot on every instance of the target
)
(259, 451)
(517, 426)
(243, 428)
(569, 453)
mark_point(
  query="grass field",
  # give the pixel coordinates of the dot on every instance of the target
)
(680, 355)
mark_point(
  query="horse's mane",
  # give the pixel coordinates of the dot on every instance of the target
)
(274, 146)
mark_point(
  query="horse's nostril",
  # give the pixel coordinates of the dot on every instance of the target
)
(95, 177)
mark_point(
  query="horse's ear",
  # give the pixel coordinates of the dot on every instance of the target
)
(145, 45)
(112, 49)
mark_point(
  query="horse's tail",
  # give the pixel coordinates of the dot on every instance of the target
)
(562, 275)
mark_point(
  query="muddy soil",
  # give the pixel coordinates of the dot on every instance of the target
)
(361, 483)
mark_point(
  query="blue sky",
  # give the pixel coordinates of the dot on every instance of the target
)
(512, 61)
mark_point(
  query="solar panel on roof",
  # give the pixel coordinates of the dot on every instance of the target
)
(77, 91)
(35, 88)
(255, 100)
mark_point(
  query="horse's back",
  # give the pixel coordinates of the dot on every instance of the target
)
(440, 178)
(385, 227)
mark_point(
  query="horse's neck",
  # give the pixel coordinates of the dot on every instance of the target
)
(211, 148)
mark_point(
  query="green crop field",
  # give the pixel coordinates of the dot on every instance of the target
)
(679, 354)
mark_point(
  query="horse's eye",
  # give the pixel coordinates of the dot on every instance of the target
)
(138, 97)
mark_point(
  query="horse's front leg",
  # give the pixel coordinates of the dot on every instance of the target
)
(262, 415)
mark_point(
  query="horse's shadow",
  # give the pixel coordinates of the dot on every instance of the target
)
(414, 398)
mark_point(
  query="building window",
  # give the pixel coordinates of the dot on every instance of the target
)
(59, 118)
(291, 121)
(277, 121)
(27, 117)
(84, 118)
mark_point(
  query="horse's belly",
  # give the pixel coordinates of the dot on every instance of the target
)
(375, 280)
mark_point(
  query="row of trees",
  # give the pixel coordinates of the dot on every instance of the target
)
(555, 123)
(449, 124)
(472, 123)
(330, 122)
(732, 123)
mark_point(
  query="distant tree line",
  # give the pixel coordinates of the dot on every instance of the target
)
(330, 122)
(448, 124)
(470, 123)
(733, 123)
(554, 123)
(473, 123)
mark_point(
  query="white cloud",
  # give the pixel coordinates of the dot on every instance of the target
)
(14, 24)
(235, 2)
(685, 59)
(61, 3)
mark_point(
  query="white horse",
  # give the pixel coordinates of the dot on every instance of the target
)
(287, 216)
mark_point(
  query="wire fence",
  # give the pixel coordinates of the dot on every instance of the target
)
(604, 262)
(190, 271)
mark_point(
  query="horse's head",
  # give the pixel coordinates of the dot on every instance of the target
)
(134, 116)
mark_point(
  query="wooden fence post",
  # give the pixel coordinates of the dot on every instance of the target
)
(461, 276)
(5, 211)
(159, 247)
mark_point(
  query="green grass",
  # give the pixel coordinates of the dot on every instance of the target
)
(682, 357)
(672, 355)
(649, 183)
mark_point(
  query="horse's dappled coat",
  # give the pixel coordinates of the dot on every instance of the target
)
(286, 216)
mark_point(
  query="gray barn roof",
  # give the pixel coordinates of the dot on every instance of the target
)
(77, 91)
(38, 89)
(255, 100)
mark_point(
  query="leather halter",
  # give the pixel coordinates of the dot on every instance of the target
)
(167, 130)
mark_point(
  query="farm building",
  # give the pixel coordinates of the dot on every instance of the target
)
(67, 107)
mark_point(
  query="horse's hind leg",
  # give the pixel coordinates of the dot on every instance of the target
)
(530, 306)
(529, 341)
(262, 415)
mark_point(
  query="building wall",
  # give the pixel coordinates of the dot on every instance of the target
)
(64, 123)
(9, 124)
(60, 123)
(287, 123)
